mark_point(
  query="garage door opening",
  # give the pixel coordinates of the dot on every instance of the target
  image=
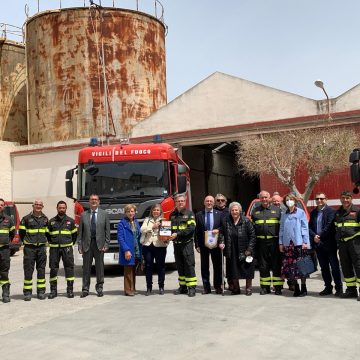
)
(213, 170)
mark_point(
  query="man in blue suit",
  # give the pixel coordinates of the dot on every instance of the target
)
(209, 220)
(322, 235)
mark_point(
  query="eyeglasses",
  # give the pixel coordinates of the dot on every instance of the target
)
(320, 198)
(220, 200)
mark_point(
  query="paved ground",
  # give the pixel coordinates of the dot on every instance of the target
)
(177, 327)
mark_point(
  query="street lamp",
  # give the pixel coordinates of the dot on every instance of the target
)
(320, 85)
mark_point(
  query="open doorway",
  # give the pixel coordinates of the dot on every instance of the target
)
(213, 170)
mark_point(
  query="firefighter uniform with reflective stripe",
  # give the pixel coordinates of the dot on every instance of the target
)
(33, 233)
(62, 236)
(183, 224)
(347, 224)
(267, 224)
(7, 233)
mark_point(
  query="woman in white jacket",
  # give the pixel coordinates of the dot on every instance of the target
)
(153, 248)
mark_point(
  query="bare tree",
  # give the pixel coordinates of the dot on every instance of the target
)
(315, 151)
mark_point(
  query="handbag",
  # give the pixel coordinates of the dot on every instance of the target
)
(305, 265)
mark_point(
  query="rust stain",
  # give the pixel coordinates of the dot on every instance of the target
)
(65, 75)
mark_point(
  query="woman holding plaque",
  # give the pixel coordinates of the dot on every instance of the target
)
(237, 238)
(128, 234)
(153, 248)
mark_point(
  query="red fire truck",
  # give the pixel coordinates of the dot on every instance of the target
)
(142, 174)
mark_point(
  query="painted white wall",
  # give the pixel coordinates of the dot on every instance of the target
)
(42, 176)
(6, 170)
(224, 100)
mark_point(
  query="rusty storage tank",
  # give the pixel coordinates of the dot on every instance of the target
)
(12, 91)
(66, 74)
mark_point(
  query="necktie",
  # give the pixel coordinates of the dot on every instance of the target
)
(93, 224)
(208, 223)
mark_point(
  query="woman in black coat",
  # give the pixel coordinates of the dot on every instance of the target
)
(238, 239)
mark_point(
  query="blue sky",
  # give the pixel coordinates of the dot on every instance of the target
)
(285, 44)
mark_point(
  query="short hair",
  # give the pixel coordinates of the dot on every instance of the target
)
(289, 196)
(264, 191)
(61, 202)
(218, 195)
(1, 199)
(346, 193)
(235, 203)
(94, 195)
(38, 200)
(154, 207)
(128, 207)
(319, 193)
(179, 196)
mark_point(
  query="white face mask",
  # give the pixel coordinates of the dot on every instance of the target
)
(290, 203)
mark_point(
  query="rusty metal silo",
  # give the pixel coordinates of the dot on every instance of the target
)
(66, 74)
(12, 90)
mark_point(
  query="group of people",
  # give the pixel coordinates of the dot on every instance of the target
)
(277, 233)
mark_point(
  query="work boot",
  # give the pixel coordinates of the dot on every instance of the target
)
(278, 290)
(70, 289)
(53, 290)
(41, 295)
(6, 293)
(303, 291)
(27, 296)
(181, 290)
(192, 292)
(349, 293)
(265, 290)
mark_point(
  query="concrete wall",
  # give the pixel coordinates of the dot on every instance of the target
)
(41, 175)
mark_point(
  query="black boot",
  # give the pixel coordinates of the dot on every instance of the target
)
(41, 295)
(53, 290)
(192, 292)
(296, 290)
(6, 293)
(70, 289)
(265, 289)
(350, 292)
(27, 295)
(303, 291)
(148, 291)
(181, 290)
(161, 291)
(278, 290)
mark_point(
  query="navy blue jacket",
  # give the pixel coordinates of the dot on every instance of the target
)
(327, 234)
(200, 226)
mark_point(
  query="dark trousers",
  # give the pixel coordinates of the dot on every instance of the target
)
(34, 255)
(67, 256)
(269, 259)
(349, 253)
(185, 263)
(215, 254)
(328, 259)
(4, 264)
(88, 256)
(151, 253)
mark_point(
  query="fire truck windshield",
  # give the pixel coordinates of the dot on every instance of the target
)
(124, 179)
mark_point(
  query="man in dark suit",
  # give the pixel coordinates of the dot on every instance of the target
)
(209, 220)
(322, 235)
(93, 240)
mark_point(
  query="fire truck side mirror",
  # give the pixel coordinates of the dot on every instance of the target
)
(69, 184)
(181, 180)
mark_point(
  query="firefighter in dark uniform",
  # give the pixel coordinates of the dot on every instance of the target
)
(347, 224)
(7, 233)
(62, 236)
(266, 220)
(33, 233)
(183, 230)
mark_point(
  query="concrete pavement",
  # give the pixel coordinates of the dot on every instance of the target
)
(176, 327)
